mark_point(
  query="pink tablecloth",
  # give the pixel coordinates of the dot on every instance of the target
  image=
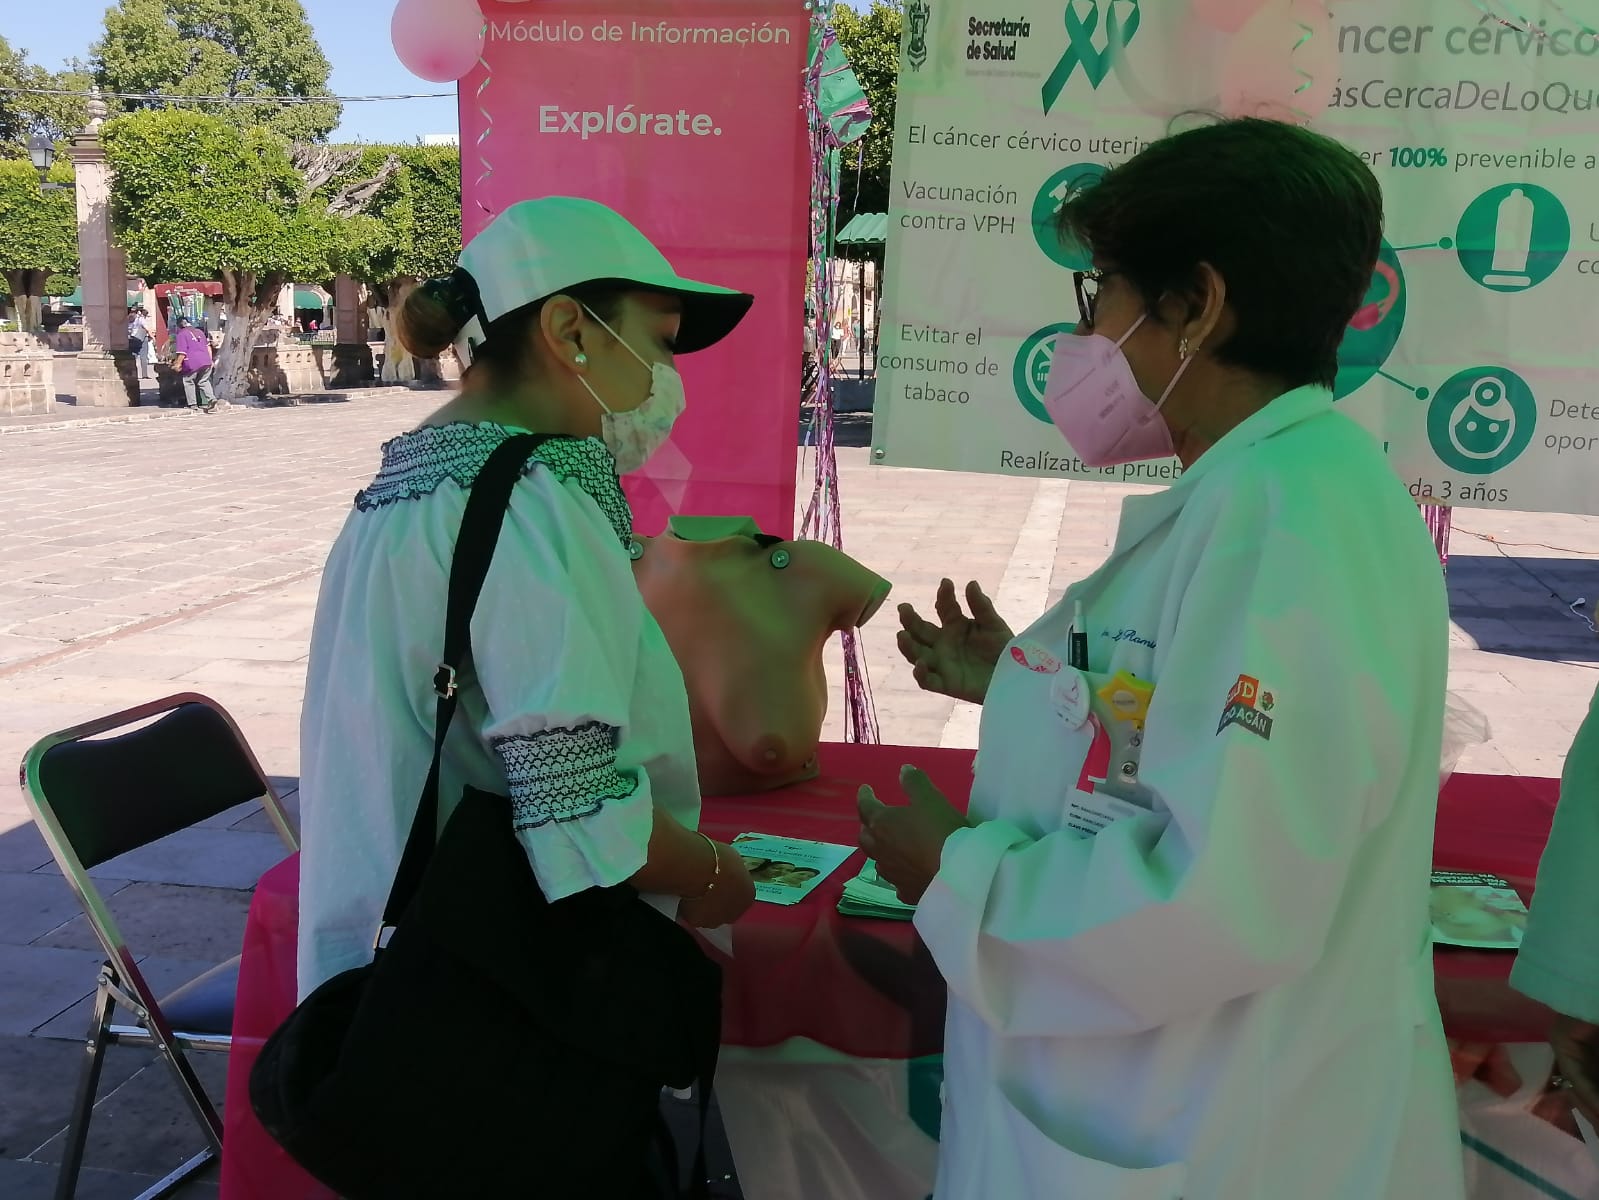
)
(868, 988)
(254, 1167)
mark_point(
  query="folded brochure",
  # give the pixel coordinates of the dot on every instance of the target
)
(867, 895)
(786, 870)
(1475, 910)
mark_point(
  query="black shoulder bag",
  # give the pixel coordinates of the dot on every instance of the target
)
(498, 1045)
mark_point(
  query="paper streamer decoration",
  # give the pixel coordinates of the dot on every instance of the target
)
(1283, 64)
(437, 40)
(1439, 520)
(832, 113)
(841, 98)
(1584, 19)
(488, 128)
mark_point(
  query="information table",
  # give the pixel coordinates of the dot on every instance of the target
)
(816, 1003)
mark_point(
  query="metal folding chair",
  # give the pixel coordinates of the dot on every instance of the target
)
(96, 797)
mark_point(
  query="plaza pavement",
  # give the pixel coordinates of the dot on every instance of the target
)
(140, 558)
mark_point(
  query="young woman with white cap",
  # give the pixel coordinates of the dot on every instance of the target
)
(569, 318)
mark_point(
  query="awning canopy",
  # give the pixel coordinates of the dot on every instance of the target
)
(76, 299)
(864, 229)
(310, 297)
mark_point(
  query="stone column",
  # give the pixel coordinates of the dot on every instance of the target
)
(108, 377)
(352, 356)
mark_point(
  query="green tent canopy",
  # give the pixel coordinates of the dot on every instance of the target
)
(305, 297)
(76, 299)
(864, 229)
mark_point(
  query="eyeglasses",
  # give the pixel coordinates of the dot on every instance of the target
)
(1087, 286)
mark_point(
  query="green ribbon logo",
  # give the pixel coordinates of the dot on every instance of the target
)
(1081, 51)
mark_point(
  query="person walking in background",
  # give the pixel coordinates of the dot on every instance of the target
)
(193, 361)
(139, 341)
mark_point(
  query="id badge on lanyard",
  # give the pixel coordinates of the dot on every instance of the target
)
(1114, 707)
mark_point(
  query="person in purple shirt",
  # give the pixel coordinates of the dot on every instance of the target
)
(192, 349)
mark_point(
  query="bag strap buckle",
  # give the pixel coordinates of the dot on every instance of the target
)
(444, 682)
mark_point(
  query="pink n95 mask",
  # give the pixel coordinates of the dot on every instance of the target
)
(1094, 399)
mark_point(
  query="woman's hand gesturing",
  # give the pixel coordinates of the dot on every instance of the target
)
(957, 656)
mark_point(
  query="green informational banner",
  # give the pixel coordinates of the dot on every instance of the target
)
(1476, 356)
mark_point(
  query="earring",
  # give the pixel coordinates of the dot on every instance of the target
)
(582, 359)
(1182, 348)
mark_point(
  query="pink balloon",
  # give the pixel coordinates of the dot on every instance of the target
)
(1229, 16)
(1287, 46)
(438, 40)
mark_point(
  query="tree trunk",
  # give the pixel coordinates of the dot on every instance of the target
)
(27, 297)
(398, 365)
(249, 302)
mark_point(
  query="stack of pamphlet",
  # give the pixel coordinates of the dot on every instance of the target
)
(868, 896)
(1475, 910)
(786, 870)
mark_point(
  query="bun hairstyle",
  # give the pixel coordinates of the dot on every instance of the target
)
(435, 314)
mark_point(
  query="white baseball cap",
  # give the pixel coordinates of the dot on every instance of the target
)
(538, 248)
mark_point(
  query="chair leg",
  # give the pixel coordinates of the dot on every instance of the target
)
(88, 1087)
(193, 1092)
(166, 1187)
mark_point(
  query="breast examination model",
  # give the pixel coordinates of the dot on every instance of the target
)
(747, 615)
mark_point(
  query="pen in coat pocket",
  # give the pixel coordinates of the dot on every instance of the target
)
(1079, 639)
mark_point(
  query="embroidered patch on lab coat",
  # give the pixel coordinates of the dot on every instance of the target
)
(1248, 706)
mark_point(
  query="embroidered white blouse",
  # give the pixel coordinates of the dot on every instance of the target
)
(574, 705)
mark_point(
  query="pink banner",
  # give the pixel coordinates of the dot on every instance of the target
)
(686, 117)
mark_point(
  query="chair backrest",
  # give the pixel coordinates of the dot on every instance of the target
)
(102, 797)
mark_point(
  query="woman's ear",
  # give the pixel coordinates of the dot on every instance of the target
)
(1206, 305)
(561, 327)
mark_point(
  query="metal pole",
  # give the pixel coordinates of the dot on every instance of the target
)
(860, 320)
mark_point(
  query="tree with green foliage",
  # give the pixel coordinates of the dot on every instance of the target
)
(23, 114)
(871, 42)
(196, 198)
(237, 49)
(401, 207)
(400, 213)
(40, 235)
(432, 245)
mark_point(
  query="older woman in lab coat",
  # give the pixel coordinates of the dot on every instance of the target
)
(1184, 925)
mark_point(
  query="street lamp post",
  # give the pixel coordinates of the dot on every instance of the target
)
(43, 153)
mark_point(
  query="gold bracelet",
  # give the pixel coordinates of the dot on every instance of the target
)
(716, 857)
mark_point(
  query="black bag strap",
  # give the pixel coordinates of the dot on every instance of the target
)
(699, 1183)
(469, 567)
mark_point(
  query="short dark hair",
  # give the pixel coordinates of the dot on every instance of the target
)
(1290, 219)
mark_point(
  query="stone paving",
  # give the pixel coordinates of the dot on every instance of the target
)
(140, 559)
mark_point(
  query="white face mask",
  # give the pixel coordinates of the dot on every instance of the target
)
(634, 436)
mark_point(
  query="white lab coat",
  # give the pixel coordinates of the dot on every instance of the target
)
(1558, 963)
(1227, 994)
